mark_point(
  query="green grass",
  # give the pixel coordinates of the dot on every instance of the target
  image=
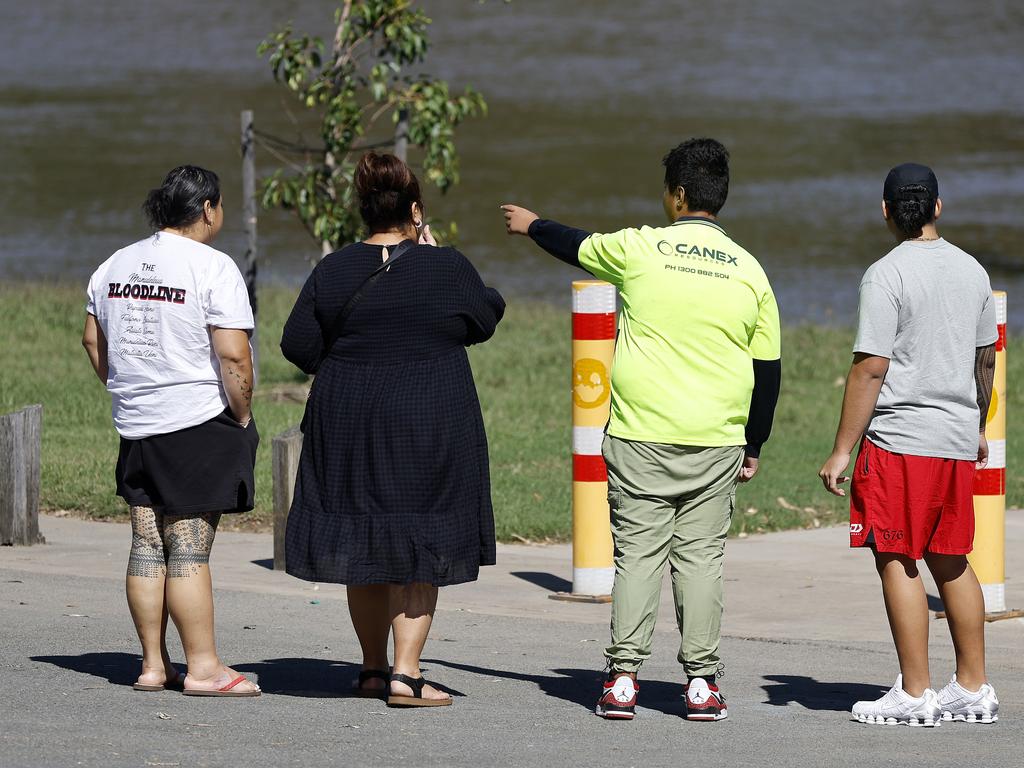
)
(523, 379)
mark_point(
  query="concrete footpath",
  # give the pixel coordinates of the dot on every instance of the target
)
(804, 636)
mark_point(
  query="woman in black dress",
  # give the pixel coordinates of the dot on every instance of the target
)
(392, 496)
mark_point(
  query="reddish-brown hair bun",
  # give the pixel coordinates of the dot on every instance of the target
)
(386, 188)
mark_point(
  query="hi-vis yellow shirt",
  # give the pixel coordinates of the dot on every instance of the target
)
(696, 309)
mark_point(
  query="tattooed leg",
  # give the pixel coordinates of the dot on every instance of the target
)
(144, 586)
(190, 598)
(147, 555)
(188, 541)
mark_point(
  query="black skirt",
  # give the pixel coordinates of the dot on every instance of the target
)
(205, 468)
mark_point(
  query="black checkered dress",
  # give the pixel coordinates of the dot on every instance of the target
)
(393, 484)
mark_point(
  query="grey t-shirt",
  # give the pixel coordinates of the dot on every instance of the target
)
(927, 306)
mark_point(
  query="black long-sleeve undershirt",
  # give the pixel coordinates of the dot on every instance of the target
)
(560, 241)
(767, 382)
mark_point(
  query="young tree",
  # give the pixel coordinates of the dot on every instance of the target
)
(364, 78)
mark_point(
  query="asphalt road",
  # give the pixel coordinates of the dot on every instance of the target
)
(524, 681)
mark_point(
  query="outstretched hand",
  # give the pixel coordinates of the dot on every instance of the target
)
(518, 219)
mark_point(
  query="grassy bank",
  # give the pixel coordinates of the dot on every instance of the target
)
(522, 376)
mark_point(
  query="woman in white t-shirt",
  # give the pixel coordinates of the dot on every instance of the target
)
(167, 330)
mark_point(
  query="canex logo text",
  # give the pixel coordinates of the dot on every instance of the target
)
(696, 252)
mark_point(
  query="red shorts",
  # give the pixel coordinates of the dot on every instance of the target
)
(911, 504)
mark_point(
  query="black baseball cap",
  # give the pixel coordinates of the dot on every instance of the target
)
(906, 175)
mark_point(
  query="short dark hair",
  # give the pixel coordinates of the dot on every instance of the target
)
(911, 207)
(178, 202)
(387, 188)
(701, 168)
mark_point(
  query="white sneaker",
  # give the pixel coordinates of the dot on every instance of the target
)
(957, 703)
(898, 707)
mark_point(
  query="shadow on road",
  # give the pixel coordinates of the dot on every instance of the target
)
(583, 686)
(115, 668)
(311, 678)
(306, 678)
(808, 692)
(546, 581)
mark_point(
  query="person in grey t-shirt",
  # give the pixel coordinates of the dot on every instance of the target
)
(916, 399)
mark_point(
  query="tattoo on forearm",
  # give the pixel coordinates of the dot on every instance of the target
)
(188, 542)
(243, 384)
(984, 376)
(147, 559)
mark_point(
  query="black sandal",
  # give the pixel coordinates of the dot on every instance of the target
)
(371, 693)
(416, 700)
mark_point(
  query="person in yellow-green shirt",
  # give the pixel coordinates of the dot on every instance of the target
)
(695, 381)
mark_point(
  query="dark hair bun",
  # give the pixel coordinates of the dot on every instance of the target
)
(382, 173)
(179, 201)
(156, 207)
(387, 189)
(912, 208)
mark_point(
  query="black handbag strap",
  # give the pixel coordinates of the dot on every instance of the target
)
(346, 311)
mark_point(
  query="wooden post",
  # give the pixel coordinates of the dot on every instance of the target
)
(249, 224)
(285, 451)
(20, 443)
(402, 135)
(249, 204)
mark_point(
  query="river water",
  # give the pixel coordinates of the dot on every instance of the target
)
(816, 99)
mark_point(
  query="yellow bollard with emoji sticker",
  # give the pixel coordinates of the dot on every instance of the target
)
(593, 344)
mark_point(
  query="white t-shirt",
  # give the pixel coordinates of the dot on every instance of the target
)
(155, 301)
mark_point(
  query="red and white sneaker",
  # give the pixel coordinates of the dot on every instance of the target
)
(703, 701)
(618, 699)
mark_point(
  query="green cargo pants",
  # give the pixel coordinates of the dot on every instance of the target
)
(669, 503)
